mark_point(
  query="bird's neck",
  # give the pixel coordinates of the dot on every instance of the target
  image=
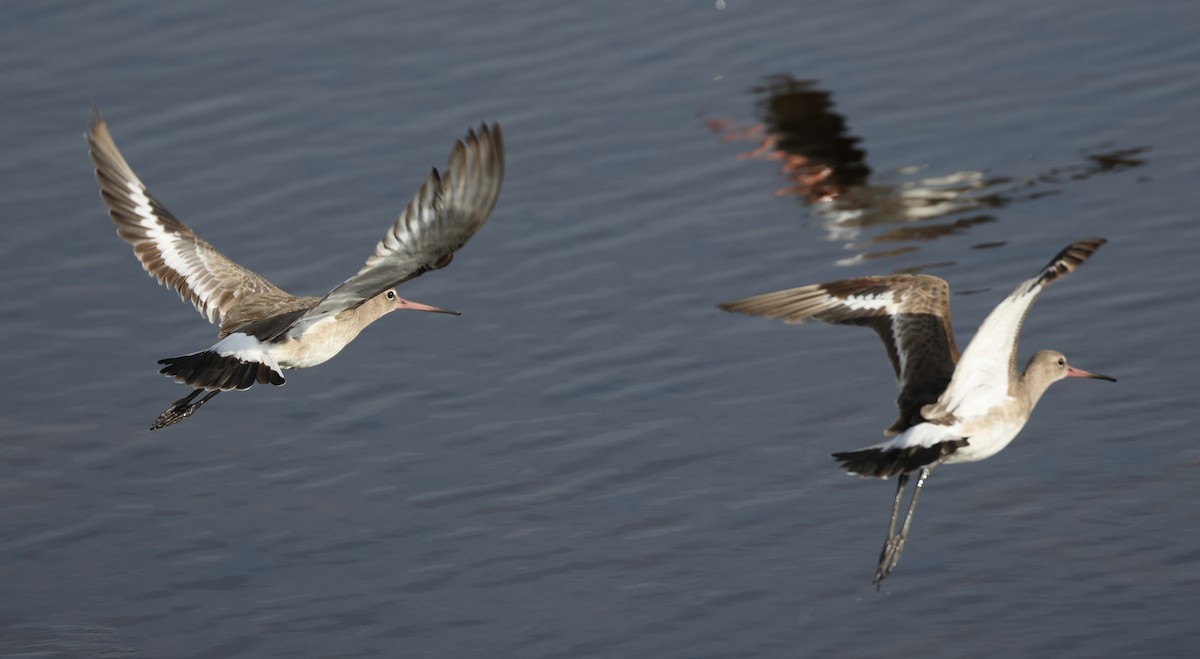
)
(1033, 385)
(343, 327)
(363, 315)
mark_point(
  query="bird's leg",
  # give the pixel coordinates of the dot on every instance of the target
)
(912, 506)
(182, 409)
(884, 554)
(895, 544)
(900, 483)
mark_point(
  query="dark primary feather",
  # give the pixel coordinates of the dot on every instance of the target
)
(1071, 257)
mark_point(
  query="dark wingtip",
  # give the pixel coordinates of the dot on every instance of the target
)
(1070, 258)
(95, 124)
(746, 305)
(486, 134)
(94, 117)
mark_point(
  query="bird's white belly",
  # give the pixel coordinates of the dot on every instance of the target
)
(987, 435)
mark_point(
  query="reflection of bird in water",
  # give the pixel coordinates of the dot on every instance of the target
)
(952, 409)
(821, 158)
(826, 169)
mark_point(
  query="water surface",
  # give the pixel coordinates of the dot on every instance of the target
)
(593, 461)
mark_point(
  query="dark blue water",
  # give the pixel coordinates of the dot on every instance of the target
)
(593, 461)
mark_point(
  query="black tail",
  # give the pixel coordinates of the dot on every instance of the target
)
(213, 372)
(882, 463)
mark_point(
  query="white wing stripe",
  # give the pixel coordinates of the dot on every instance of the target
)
(872, 302)
(168, 243)
(982, 377)
(897, 335)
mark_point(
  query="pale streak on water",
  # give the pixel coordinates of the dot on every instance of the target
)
(592, 461)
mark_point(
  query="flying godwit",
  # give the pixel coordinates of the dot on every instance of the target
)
(952, 409)
(264, 330)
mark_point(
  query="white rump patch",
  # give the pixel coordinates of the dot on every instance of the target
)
(248, 349)
(923, 434)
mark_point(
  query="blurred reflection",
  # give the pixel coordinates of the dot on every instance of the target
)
(826, 169)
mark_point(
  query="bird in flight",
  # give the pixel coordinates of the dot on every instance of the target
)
(952, 408)
(265, 331)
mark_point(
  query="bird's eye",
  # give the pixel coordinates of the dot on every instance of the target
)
(391, 295)
(1062, 361)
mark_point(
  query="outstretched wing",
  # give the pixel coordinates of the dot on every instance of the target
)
(168, 249)
(911, 314)
(447, 210)
(990, 361)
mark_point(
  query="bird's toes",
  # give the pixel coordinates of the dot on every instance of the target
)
(173, 415)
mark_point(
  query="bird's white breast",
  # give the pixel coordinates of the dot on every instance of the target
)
(318, 344)
(989, 433)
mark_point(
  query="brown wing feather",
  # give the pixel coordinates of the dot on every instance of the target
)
(910, 313)
(220, 289)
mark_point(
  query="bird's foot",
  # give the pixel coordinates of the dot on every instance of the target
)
(173, 415)
(181, 409)
(889, 558)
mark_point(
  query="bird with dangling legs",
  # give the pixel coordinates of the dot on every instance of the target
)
(953, 408)
(264, 330)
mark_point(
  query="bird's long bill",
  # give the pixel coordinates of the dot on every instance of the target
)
(401, 303)
(1073, 372)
